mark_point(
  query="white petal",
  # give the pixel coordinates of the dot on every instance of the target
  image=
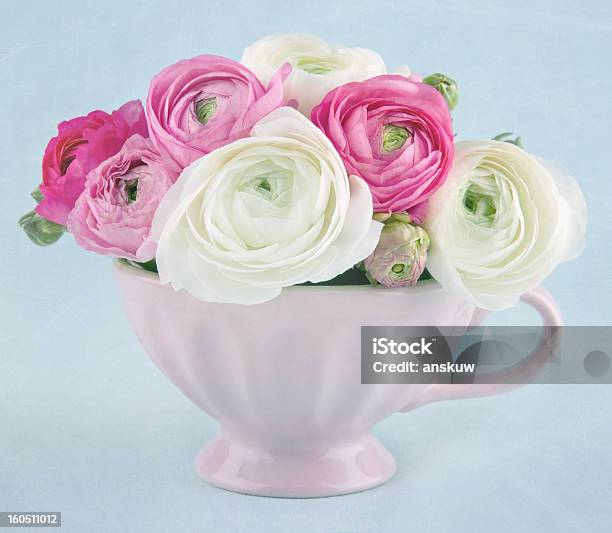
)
(575, 215)
(349, 64)
(359, 236)
(541, 221)
(403, 70)
(210, 235)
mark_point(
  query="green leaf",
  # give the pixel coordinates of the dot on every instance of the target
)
(40, 230)
(507, 138)
(353, 276)
(149, 266)
(37, 195)
(356, 276)
(425, 275)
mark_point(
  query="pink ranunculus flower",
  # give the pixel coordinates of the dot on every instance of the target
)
(200, 104)
(399, 258)
(396, 134)
(113, 215)
(81, 145)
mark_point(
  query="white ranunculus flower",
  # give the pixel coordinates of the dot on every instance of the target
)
(502, 222)
(262, 213)
(318, 67)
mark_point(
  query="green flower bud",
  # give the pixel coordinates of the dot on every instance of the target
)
(205, 109)
(40, 230)
(446, 86)
(393, 137)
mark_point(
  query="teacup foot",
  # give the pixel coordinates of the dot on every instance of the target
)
(352, 465)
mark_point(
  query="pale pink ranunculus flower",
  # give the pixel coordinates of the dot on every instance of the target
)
(113, 215)
(81, 144)
(203, 103)
(395, 133)
(399, 258)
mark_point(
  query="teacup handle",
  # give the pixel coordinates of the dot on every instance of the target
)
(552, 319)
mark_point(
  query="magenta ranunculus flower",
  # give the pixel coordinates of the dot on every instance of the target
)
(200, 104)
(393, 132)
(114, 213)
(82, 144)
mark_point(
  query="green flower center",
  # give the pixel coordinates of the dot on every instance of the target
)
(205, 109)
(397, 268)
(266, 181)
(394, 137)
(262, 186)
(131, 190)
(480, 201)
(315, 65)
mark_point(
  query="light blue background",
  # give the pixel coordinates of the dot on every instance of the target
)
(89, 427)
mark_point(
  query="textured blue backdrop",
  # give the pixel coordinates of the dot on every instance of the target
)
(89, 427)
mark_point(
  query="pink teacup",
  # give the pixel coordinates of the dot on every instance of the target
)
(284, 378)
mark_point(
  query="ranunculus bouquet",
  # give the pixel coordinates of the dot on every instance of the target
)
(305, 163)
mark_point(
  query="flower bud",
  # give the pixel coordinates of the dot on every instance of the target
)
(446, 86)
(40, 230)
(399, 258)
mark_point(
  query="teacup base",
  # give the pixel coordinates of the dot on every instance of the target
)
(348, 465)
